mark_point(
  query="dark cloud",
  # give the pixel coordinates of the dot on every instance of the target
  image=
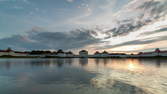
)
(151, 11)
(157, 8)
(124, 29)
(50, 40)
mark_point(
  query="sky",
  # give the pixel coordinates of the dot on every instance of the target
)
(112, 25)
(18, 16)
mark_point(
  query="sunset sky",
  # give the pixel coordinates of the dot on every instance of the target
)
(112, 25)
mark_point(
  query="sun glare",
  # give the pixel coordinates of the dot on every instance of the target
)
(131, 67)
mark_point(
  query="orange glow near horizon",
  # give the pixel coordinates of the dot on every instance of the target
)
(137, 48)
(128, 48)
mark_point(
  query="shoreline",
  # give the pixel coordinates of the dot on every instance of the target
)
(50, 57)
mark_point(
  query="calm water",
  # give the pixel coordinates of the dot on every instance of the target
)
(83, 76)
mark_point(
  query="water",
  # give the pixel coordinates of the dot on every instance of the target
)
(83, 76)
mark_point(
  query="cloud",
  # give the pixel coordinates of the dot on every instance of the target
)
(137, 14)
(70, 1)
(154, 32)
(131, 17)
(94, 12)
(116, 32)
(138, 42)
(40, 39)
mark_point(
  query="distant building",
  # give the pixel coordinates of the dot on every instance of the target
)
(118, 55)
(17, 53)
(157, 52)
(69, 54)
(10, 52)
(61, 53)
(104, 54)
(97, 54)
(83, 53)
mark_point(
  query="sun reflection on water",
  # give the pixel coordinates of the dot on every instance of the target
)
(131, 67)
(127, 65)
(151, 79)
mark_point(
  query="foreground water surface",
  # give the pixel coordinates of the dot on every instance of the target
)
(83, 76)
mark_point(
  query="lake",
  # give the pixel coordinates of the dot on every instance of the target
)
(83, 76)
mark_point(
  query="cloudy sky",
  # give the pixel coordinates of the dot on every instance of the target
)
(112, 25)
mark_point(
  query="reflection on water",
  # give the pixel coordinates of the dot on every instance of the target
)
(147, 74)
(127, 65)
(83, 76)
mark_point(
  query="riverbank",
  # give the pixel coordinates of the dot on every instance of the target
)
(78, 57)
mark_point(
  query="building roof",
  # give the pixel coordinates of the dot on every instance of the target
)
(21, 52)
(6, 51)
